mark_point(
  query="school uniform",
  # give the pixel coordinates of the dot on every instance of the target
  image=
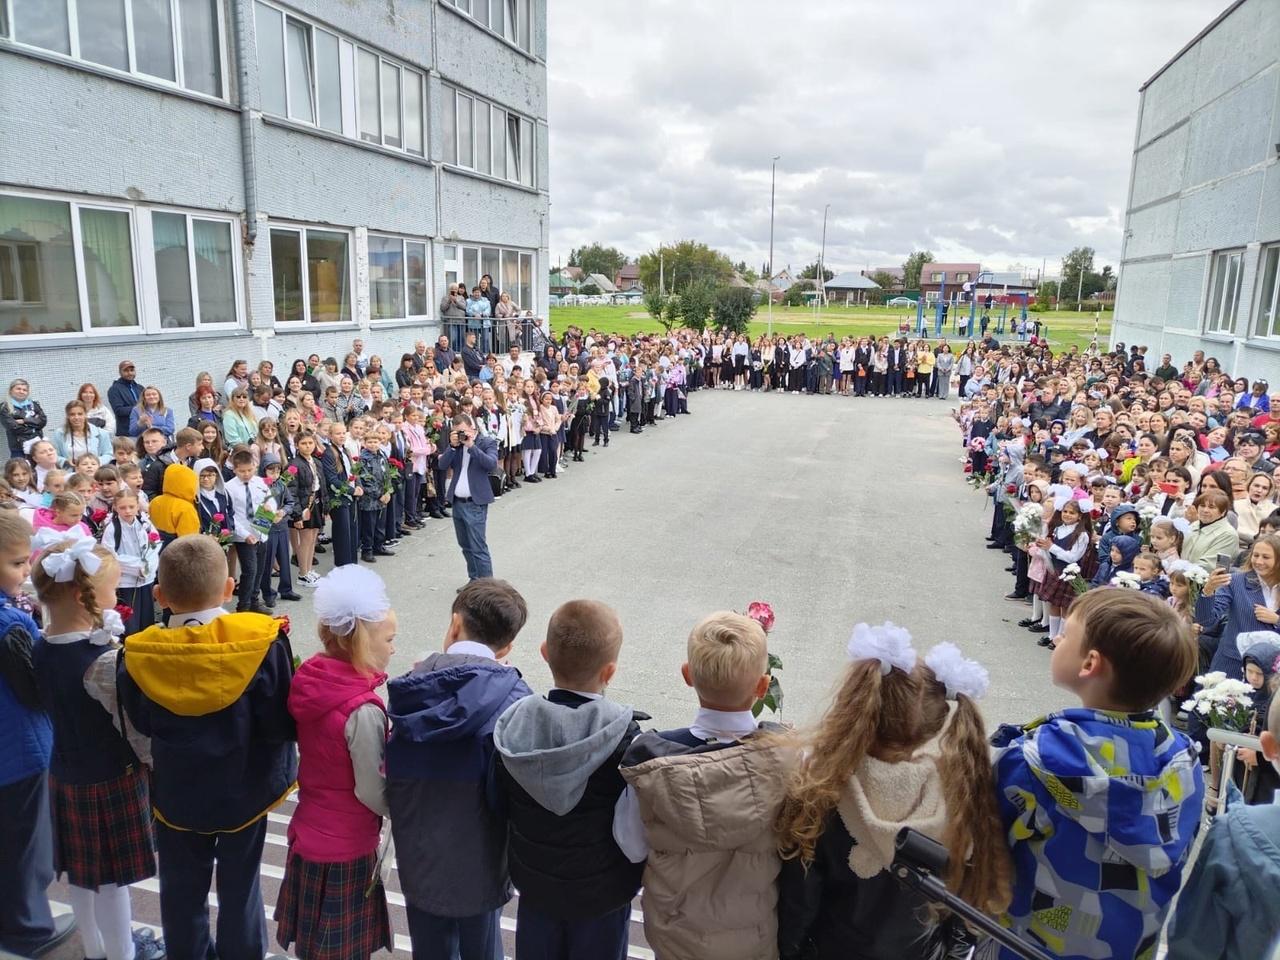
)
(139, 556)
(245, 500)
(337, 467)
(1069, 545)
(277, 552)
(373, 477)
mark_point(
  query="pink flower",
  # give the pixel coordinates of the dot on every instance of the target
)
(762, 613)
(218, 517)
(224, 532)
(292, 470)
(153, 537)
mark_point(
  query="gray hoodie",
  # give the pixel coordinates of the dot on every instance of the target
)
(551, 749)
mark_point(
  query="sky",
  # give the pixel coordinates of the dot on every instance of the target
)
(999, 132)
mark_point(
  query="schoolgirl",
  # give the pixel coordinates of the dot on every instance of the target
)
(1037, 491)
(62, 515)
(1067, 542)
(509, 442)
(531, 426)
(44, 458)
(308, 520)
(1167, 536)
(581, 405)
(332, 903)
(129, 535)
(267, 441)
(97, 784)
(902, 745)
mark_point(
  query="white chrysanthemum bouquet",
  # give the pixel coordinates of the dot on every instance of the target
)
(1221, 702)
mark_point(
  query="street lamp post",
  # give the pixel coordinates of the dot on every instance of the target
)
(822, 262)
(773, 183)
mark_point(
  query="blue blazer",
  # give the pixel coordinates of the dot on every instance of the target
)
(1235, 601)
(484, 457)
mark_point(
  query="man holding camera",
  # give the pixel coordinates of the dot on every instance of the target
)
(472, 458)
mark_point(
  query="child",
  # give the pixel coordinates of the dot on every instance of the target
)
(131, 477)
(136, 545)
(1067, 542)
(342, 726)
(87, 465)
(1124, 549)
(155, 458)
(63, 514)
(174, 511)
(22, 481)
(27, 927)
(213, 506)
(374, 474)
(124, 450)
(1166, 541)
(701, 802)
(903, 745)
(210, 691)
(247, 492)
(1228, 906)
(558, 768)
(278, 540)
(1101, 803)
(1147, 567)
(107, 481)
(439, 776)
(101, 809)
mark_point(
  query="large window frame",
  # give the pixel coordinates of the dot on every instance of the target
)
(511, 138)
(408, 248)
(9, 28)
(466, 262)
(352, 119)
(1267, 313)
(303, 231)
(1222, 305)
(151, 271)
(509, 20)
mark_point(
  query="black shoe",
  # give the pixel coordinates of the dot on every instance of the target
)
(1015, 596)
(290, 596)
(995, 546)
(146, 946)
(444, 512)
(269, 602)
(257, 607)
(533, 478)
(383, 552)
(367, 557)
(550, 476)
(595, 442)
(515, 484)
(390, 543)
(1028, 622)
(436, 515)
(320, 548)
(63, 927)
(1036, 626)
(1011, 570)
(1045, 641)
(404, 532)
(294, 561)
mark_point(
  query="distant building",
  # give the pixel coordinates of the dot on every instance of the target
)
(898, 284)
(561, 285)
(850, 288)
(783, 280)
(600, 280)
(628, 278)
(947, 278)
(1200, 265)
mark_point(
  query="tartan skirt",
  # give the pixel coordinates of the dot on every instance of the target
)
(322, 907)
(1057, 592)
(103, 831)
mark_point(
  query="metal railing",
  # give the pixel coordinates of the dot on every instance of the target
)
(494, 335)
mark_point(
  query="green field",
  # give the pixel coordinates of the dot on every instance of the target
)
(1065, 327)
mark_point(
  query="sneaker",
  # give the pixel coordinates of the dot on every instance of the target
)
(147, 946)
(310, 579)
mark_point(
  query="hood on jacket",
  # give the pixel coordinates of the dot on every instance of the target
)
(193, 671)
(448, 698)
(1129, 546)
(180, 481)
(551, 749)
(1122, 779)
(323, 683)
(1119, 511)
(1260, 647)
(206, 463)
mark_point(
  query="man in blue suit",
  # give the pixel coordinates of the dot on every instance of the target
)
(472, 458)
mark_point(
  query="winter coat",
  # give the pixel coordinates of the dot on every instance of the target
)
(710, 882)
(27, 729)
(22, 424)
(331, 825)
(174, 511)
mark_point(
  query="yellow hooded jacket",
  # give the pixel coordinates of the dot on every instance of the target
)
(174, 511)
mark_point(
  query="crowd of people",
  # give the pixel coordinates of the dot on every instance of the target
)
(154, 730)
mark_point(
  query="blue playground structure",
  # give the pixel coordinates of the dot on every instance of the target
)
(941, 310)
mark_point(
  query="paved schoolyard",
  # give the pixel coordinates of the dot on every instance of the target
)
(834, 510)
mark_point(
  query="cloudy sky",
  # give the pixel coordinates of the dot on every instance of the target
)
(999, 131)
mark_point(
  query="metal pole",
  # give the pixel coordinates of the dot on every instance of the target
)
(773, 184)
(1080, 288)
(822, 262)
(662, 278)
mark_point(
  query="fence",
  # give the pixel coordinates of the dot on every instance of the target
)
(495, 336)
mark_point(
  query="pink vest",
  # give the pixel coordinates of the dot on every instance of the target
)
(330, 824)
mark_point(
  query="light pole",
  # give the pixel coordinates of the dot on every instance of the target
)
(773, 183)
(822, 262)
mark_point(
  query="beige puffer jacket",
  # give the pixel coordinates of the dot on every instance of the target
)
(710, 882)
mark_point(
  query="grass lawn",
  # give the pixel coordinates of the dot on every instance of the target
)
(1064, 327)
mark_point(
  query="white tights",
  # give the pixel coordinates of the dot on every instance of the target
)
(531, 458)
(1037, 609)
(103, 917)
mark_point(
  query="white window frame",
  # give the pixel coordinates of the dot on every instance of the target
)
(404, 281)
(524, 19)
(1215, 318)
(152, 301)
(457, 263)
(499, 117)
(175, 19)
(1268, 298)
(306, 323)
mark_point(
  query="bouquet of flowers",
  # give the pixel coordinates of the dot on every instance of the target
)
(1028, 524)
(367, 480)
(217, 529)
(1197, 576)
(397, 472)
(762, 613)
(1148, 513)
(1226, 704)
(1072, 575)
(1127, 581)
(980, 481)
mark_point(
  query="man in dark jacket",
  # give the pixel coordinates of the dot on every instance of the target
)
(472, 358)
(123, 395)
(444, 356)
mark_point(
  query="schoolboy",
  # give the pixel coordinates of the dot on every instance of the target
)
(247, 492)
(124, 450)
(211, 692)
(373, 474)
(277, 552)
(187, 446)
(439, 777)
(1228, 907)
(131, 477)
(558, 770)
(701, 803)
(154, 460)
(107, 480)
(1101, 803)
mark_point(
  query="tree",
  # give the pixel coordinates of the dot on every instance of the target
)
(655, 301)
(911, 268)
(734, 307)
(696, 304)
(1077, 266)
(683, 264)
(1045, 293)
(590, 290)
(797, 295)
(597, 258)
(811, 272)
(883, 278)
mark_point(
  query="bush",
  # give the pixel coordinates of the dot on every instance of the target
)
(734, 307)
(795, 296)
(590, 290)
(696, 304)
(672, 311)
(655, 301)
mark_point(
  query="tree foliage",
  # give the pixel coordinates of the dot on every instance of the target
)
(911, 268)
(590, 290)
(798, 295)
(696, 304)
(683, 265)
(811, 272)
(597, 258)
(734, 307)
(884, 278)
(655, 301)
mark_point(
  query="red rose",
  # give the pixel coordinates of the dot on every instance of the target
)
(351, 479)
(124, 610)
(224, 532)
(293, 470)
(283, 620)
(153, 537)
(1010, 488)
(98, 515)
(1096, 513)
(1136, 489)
(218, 517)
(1118, 471)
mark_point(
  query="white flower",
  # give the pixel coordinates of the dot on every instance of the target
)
(1128, 581)
(1203, 708)
(1197, 574)
(1211, 679)
(1070, 570)
(956, 673)
(1148, 511)
(890, 644)
(1188, 705)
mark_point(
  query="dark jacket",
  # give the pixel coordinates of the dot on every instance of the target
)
(444, 359)
(303, 481)
(472, 361)
(374, 471)
(335, 477)
(222, 739)
(123, 396)
(22, 424)
(27, 728)
(484, 458)
(440, 782)
(86, 748)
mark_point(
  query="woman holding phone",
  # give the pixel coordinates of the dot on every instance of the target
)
(1249, 600)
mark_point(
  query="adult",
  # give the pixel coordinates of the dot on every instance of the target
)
(472, 358)
(302, 370)
(23, 420)
(943, 365)
(478, 306)
(237, 377)
(100, 415)
(1249, 448)
(77, 436)
(1248, 599)
(420, 357)
(151, 413)
(407, 372)
(204, 382)
(123, 395)
(267, 375)
(444, 356)
(239, 425)
(490, 293)
(1211, 535)
(472, 458)
(1167, 371)
(453, 305)
(357, 348)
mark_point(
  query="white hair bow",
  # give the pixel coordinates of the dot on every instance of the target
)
(349, 594)
(890, 644)
(112, 627)
(1182, 525)
(1073, 466)
(956, 672)
(62, 565)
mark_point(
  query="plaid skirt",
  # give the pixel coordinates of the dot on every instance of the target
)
(102, 831)
(1057, 592)
(322, 907)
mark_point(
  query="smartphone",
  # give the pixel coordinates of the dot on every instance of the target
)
(1170, 489)
(1224, 561)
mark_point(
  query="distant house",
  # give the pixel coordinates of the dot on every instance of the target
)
(850, 287)
(1000, 284)
(783, 280)
(600, 280)
(561, 285)
(573, 273)
(767, 289)
(737, 281)
(948, 277)
(628, 278)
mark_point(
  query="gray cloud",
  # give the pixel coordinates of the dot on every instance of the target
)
(1000, 132)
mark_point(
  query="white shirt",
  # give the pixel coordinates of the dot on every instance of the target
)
(197, 618)
(470, 648)
(463, 488)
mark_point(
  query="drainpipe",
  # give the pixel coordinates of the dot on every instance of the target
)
(248, 153)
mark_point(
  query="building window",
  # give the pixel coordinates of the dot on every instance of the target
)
(1269, 293)
(314, 76)
(935, 278)
(510, 19)
(397, 278)
(1224, 292)
(173, 41)
(311, 275)
(963, 277)
(510, 270)
(195, 270)
(487, 138)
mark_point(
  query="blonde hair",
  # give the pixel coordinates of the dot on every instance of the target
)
(14, 531)
(889, 717)
(192, 572)
(83, 583)
(65, 501)
(727, 655)
(353, 647)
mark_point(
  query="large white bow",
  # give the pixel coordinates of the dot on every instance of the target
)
(62, 565)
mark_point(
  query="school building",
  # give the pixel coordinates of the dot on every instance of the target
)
(191, 182)
(1200, 267)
